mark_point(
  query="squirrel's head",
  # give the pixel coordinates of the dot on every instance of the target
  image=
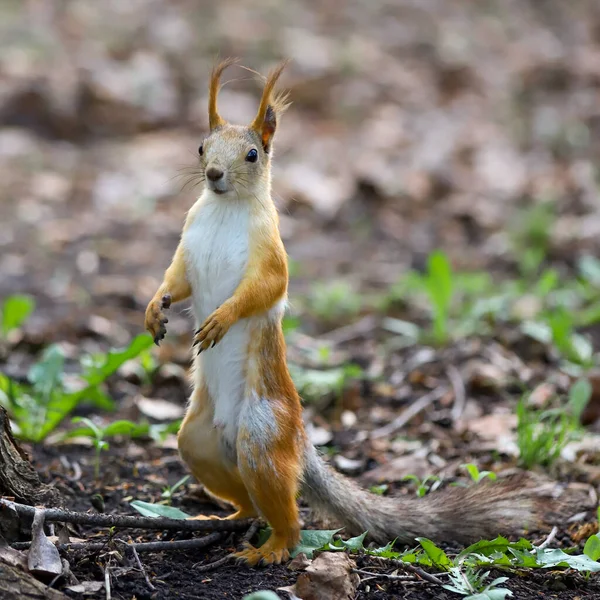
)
(233, 158)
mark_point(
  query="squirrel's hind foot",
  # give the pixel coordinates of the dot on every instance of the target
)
(272, 552)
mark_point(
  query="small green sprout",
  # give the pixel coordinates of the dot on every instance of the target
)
(167, 493)
(477, 475)
(428, 484)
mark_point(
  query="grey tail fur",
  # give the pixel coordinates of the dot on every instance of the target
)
(458, 514)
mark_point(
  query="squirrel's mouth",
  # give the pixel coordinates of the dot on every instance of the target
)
(213, 187)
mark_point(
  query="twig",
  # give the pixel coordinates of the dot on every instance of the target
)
(550, 538)
(139, 546)
(350, 332)
(214, 565)
(384, 575)
(107, 582)
(458, 386)
(103, 520)
(405, 416)
(140, 565)
(252, 530)
(412, 568)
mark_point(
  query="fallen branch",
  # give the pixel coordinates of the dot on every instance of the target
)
(372, 575)
(139, 546)
(550, 538)
(411, 568)
(141, 566)
(214, 565)
(406, 415)
(102, 520)
(460, 397)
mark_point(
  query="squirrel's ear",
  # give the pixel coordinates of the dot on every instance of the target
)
(270, 109)
(214, 119)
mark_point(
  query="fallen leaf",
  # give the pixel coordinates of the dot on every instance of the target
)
(86, 587)
(43, 557)
(299, 563)
(397, 468)
(329, 577)
(161, 410)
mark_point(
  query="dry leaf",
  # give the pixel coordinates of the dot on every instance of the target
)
(329, 577)
(43, 557)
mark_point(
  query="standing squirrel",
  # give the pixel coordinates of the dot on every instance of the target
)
(243, 435)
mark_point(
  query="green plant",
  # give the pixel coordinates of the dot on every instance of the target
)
(531, 236)
(97, 437)
(14, 312)
(38, 406)
(313, 384)
(542, 434)
(334, 301)
(468, 582)
(429, 484)
(592, 544)
(477, 475)
(380, 490)
(167, 493)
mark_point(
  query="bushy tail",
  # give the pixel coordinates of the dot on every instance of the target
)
(458, 514)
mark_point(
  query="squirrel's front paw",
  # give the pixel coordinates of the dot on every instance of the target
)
(155, 318)
(213, 329)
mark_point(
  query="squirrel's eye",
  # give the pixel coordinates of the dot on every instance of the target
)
(201, 150)
(252, 156)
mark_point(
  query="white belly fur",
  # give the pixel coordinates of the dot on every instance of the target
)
(216, 249)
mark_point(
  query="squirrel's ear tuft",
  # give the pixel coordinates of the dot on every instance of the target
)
(214, 119)
(270, 109)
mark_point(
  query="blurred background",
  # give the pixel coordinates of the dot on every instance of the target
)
(415, 125)
(467, 128)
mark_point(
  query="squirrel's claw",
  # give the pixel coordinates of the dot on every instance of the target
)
(155, 318)
(212, 330)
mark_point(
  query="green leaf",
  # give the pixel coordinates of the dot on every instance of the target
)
(557, 558)
(590, 269)
(498, 594)
(47, 374)
(486, 547)
(262, 595)
(263, 535)
(95, 430)
(158, 510)
(439, 288)
(313, 539)
(354, 544)
(592, 547)
(437, 555)
(579, 396)
(98, 373)
(538, 331)
(122, 427)
(15, 311)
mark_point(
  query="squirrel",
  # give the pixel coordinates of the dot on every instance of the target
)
(243, 436)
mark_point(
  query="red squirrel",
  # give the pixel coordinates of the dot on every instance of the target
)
(243, 437)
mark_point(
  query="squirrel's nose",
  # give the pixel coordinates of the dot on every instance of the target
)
(214, 174)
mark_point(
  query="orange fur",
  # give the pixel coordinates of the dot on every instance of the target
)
(214, 119)
(271, 107)
(175, 285)
(272, 474)
(220, 477)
